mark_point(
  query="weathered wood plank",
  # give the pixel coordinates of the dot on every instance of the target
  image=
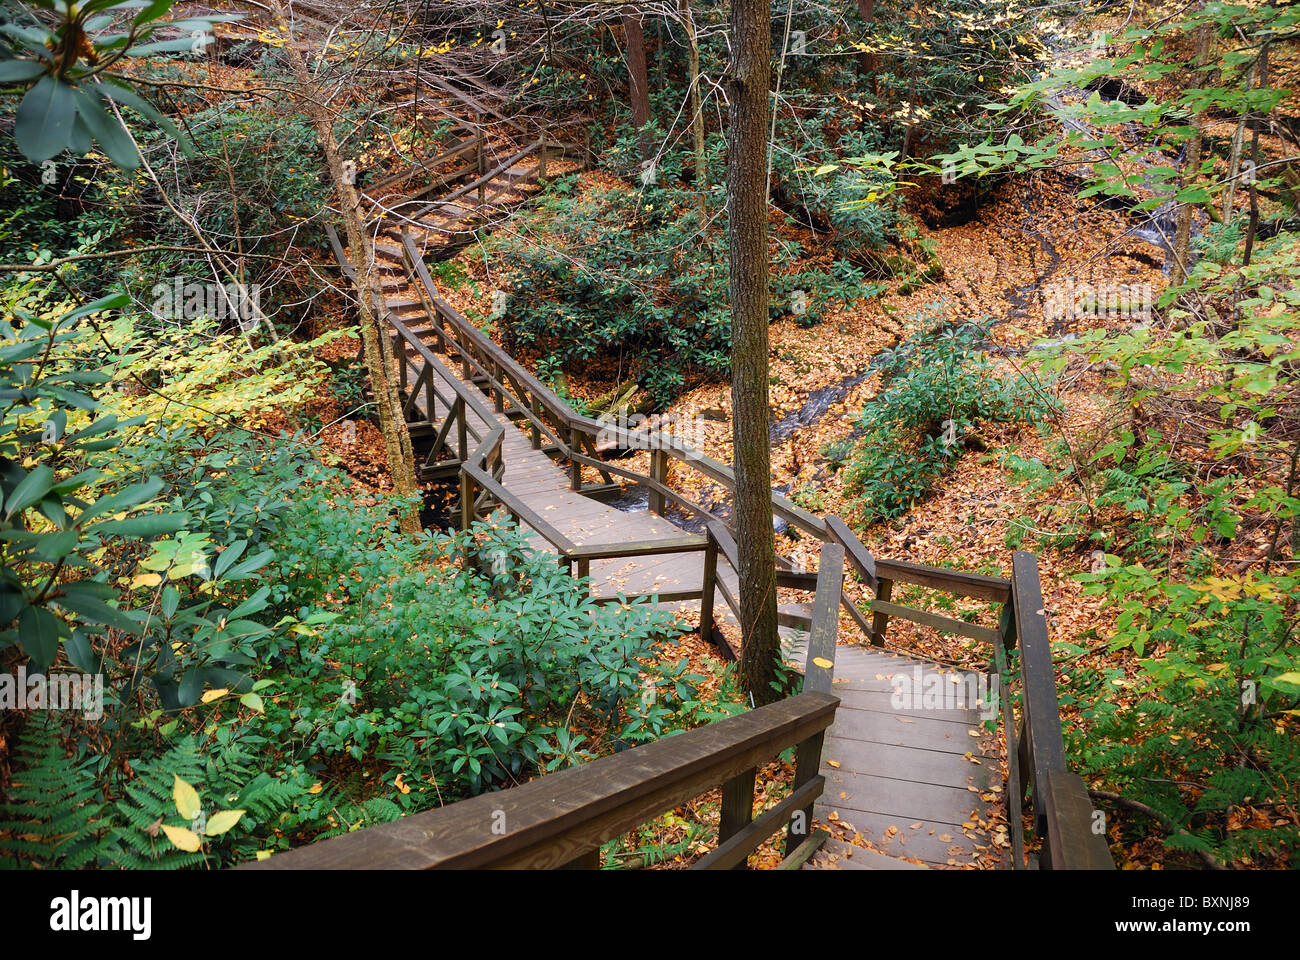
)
(552, 820)
(944, 624)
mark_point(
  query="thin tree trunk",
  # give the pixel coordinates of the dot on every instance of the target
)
(1253, 230)
(697, 107)
(638, 81)
(392, 424)
(1234, 161)
(1191, 170)
(867, 61)
(749, 82)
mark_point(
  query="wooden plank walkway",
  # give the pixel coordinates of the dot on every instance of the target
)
(909, 782)
(543, 486)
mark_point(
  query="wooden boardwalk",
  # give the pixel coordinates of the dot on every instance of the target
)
(909, 781)
(543, 485)
(905, 785)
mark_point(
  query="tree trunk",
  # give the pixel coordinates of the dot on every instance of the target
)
(867, 61)
(697, 107)
(638, 81)
(749, 80)
(1253, 229)
(392, 424)
(1191, 170)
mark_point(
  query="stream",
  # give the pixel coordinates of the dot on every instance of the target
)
(1155, 227)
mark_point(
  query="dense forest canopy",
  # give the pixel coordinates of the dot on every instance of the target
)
(974, 276)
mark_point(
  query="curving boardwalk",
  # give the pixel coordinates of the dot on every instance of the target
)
(906, 787)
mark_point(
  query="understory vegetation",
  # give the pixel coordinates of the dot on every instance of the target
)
(201, 448)
(267, 636)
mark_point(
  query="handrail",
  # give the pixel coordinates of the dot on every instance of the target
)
(1062, 813)
(565, 816)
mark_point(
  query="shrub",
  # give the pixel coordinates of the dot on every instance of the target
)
(937, 387)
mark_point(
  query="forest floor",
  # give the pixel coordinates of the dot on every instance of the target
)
(997, 262)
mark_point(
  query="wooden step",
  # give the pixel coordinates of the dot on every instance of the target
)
(838, 855)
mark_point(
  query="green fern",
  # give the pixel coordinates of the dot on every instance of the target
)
(54, 815)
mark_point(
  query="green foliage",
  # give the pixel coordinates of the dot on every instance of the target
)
(50, 523)
(937, 387)
(60, 54)
(56, 815)
(1204, 727)
(639, 273)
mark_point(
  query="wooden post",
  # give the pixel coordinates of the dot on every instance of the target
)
(880, 621)
(659, 472)
(587, 861)
(1007, 626)
(537, 432)
(462, 440)
(466, 500)
(584, 570)
(707, 588)
(575, 468)
(808, 759)
(541, 157)
(737, 806)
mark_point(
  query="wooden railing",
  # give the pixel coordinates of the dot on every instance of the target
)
(453, 408)
(563, 818)
(1073, 835)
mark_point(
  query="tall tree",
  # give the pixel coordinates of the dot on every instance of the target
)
(638, 79)
(697, 107)
(375, 348)
(748, 83)
(1191, 173)
(866, 60)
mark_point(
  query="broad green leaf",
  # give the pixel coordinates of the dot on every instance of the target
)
(43, 124)
(14, 71)
(110, 134)
(38, 635)
(30, 489)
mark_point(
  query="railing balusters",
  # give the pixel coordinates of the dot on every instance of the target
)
(659, 473)
(880, 621)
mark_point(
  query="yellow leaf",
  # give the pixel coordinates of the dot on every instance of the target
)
(264, 854)
(186, 797)
(219, 823)
(211, 695)
(315, 788)
(826, 168)
(145, 580)
(833, 763)
(823, 663)
(186, 840)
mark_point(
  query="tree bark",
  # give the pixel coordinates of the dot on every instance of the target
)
(1253, 229)
(697, 107)
(1191, 170)
(392, 424)
(749, 82)
(638, 80)
(867, 61)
